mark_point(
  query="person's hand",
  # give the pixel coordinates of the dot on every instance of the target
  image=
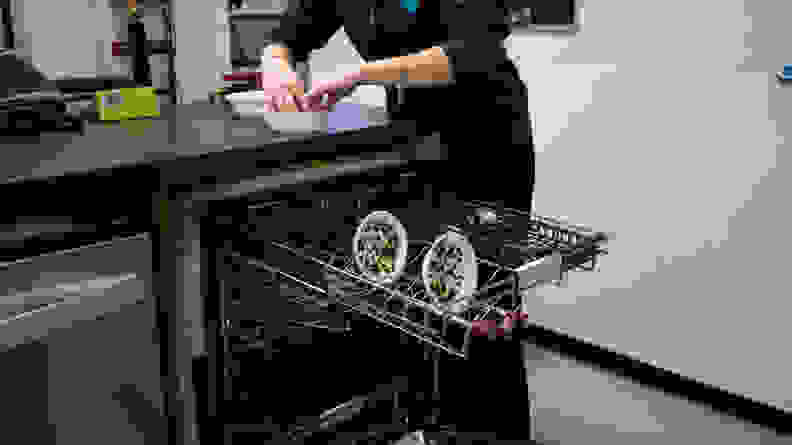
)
(277, 86)
(492, 328)
(324, 95)
(281, 90)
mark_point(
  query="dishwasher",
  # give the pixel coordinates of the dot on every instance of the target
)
(313, 338)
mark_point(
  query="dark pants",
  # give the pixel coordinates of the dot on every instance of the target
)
(485, 125)
(482, 397)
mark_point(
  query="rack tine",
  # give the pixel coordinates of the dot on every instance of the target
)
(492, 277)
(405, 310)
(466, 345)
(316, 325)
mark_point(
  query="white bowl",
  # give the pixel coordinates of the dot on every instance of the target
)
(247, 97)
(365, 235)
(251, 104)
(461, 291)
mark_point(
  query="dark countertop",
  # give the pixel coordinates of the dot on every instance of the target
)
(182, 131)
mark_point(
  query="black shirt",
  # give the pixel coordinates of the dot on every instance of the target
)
(487, 102)
(471, 31)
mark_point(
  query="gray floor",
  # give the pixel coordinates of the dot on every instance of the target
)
(577, 404)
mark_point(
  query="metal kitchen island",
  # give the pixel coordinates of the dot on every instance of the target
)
(218, 195)
(157, 176)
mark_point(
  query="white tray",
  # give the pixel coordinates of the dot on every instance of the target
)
(250, 104)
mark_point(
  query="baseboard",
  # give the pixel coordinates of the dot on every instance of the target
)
(717, 399)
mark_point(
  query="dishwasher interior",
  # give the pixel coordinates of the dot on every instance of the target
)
(304, 343)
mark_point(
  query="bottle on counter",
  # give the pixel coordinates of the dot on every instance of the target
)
(138, 44)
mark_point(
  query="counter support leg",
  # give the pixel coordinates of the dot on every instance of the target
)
(170, 275)
(212, 275)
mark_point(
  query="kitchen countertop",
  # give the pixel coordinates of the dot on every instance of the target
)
(182, 131)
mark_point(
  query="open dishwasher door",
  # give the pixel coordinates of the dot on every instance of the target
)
(474, 385)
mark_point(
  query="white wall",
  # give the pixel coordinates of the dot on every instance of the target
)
(66, 37)
(672, 131)
(74, 37)
(664, 124)
(201, 29)
(3, 43)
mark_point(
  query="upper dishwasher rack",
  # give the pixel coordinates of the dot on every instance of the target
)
(515, 250)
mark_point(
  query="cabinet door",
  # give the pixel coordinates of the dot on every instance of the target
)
(84, 370)
(23, 384)
(103, 381)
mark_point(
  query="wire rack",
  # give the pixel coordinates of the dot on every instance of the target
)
(516, 251)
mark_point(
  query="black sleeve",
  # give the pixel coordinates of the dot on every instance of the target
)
(307, 26)
(476, 29)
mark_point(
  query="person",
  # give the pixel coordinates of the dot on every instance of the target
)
(456, 80)
(445, 68)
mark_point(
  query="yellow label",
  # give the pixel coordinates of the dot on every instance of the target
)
(127, 103)
(440, 288)
(385, 264)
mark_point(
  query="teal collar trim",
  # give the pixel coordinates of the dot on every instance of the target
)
(410, 5)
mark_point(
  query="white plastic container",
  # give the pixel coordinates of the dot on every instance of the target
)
(251, 104)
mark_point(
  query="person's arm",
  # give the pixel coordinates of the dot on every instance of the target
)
(279, 56)
(429, 67)
(477, 30)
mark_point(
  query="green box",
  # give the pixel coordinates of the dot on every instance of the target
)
(127, 103)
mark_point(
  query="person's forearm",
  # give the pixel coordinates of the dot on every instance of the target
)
(280, 56)
(429, 67)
